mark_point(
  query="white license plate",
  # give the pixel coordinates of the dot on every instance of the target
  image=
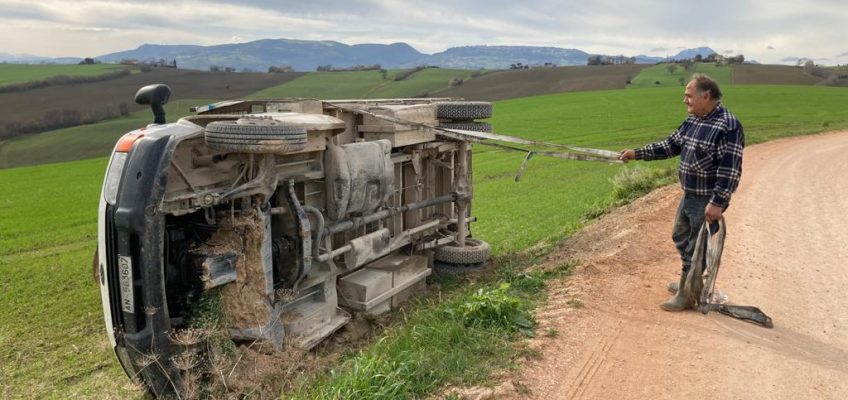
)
(126, 278)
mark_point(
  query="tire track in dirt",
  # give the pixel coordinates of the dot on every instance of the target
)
(785, 252)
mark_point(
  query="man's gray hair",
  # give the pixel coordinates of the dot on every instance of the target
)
(704, 83)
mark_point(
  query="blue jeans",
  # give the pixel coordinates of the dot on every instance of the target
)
(687, 224)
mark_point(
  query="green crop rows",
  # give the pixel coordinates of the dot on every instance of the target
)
(365, 84)
(19, 73)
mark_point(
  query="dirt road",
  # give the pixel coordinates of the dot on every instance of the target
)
(786, 252)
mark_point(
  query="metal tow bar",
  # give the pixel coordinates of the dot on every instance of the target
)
(576, 153)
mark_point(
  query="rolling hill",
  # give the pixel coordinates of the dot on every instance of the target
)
(307, 55)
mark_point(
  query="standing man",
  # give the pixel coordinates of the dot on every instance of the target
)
(710, 143)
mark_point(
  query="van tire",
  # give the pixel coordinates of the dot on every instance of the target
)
(262, 137)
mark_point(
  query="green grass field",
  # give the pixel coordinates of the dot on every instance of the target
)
(659, 73)
(52, 342)
(364, 84)
(553, 194)
(17, 73)
(84, 141)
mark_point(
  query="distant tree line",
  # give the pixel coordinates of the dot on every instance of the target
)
(363, 67)
(598, 59)
(519, 65)
(409, 72)
(153, 62)
(220, 68)
(713, 58)
(278, 69)
(60, 118)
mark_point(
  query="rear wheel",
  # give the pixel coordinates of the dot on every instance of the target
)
(475, 252)
(255, 136)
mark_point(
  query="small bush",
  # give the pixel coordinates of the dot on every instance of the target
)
(631, 183)
(496, 308)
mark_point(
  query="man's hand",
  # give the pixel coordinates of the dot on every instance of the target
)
(712, 213)
(627, 155)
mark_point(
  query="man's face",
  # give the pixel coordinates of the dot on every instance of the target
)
(697, 104)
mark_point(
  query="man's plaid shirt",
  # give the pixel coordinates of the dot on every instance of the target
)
(710, 150)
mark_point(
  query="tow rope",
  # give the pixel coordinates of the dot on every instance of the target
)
(700, 282)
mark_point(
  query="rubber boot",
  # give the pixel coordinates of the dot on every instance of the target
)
(678, 302)
(672, 287)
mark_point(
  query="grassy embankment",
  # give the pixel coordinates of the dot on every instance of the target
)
(19, 73)
(659, 73)
(52, 342)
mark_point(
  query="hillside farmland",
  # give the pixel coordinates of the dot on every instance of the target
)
(509, 84)
(52, 342)
(19, 73)
(97, 100)
(747, 74)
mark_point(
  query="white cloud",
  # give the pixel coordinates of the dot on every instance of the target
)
(757, 28)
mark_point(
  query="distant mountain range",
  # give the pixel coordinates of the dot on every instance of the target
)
(31, 59)
(307, 55)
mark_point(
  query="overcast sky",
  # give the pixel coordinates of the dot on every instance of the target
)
(772, 31)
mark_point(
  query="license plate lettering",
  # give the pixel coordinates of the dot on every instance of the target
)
(126, 279)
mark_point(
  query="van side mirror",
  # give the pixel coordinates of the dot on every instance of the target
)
(156, 95)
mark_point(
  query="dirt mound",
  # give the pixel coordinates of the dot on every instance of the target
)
(510, 84)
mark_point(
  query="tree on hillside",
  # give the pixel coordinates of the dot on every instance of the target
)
(278, 69)
(808, 66)
(671, 68)
(739, 59)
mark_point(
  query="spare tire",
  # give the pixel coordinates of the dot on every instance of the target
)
(475, 252)
(255, 136)
(463, 110)
(468, 126)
